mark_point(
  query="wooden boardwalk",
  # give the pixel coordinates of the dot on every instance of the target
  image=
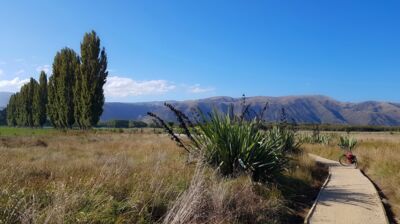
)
(347, 197)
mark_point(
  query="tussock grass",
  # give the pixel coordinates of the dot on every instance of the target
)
(378, 156)
(134, 177)
(212, 198)
(103, 178)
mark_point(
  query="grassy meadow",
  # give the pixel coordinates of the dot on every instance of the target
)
(120, 176)
(378, 157)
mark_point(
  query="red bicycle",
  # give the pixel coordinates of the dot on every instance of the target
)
(348, 159)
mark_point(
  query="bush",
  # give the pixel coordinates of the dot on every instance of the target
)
(137, 124)
(324, 139)
(234, 145)
(347, 142)
(117, 124)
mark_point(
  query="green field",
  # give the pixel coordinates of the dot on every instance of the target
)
(13, 131)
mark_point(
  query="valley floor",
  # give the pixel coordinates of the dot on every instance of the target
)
(121, 176)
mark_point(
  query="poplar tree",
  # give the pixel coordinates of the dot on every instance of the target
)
(88, 92)
(32, 106)
(51, 107)
(3, 116)
(12, 111)
(60, 88)
(19, 110)
(21, 105)
(40, 101)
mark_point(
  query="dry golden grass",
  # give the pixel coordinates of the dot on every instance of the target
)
(112, 177)
(215, 199)
(378, 156)
(80, 178)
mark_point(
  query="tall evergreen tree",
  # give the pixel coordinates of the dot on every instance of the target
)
(60, 88)
(51, 108)
(88, 92)
(28, 93)
(19, 110)
(3, 116)
(21, 105)
(40, 101)
(12, 111)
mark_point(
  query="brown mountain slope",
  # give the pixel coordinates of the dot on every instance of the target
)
(302, 109)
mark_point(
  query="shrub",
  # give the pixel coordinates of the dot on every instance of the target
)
(233, 145)
(286, 136)
(118, 124)
(347, 142)
(137, 124)
(324, 139)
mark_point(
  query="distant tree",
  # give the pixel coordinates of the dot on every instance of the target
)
(118, 124)
(40, 101)
(88, 91)
(60, 88)
(137, 124)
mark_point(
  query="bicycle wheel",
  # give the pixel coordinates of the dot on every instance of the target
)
(344, 161)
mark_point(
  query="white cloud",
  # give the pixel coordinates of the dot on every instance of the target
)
(12, 85)
(198, 89)
(45, 68)
(20, 72)
(122, 87)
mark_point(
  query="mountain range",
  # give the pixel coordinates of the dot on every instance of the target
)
(302, 109)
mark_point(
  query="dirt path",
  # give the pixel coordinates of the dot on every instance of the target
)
(347, 197)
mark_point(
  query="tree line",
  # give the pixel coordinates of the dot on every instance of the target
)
(72, 96)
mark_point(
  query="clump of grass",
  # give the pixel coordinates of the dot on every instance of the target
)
(316, 137)
(232, 144)
(347, 142)
(236, 147)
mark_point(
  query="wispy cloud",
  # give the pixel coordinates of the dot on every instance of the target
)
(45, 68)
(12, 85)
(122, 87)
(20, 72)
(198, 89)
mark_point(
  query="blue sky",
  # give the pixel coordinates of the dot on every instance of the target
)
(158, 50)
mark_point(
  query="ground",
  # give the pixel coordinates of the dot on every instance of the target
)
(130, 176)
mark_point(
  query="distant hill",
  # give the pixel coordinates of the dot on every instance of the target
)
(302, 109)
(4, 97)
